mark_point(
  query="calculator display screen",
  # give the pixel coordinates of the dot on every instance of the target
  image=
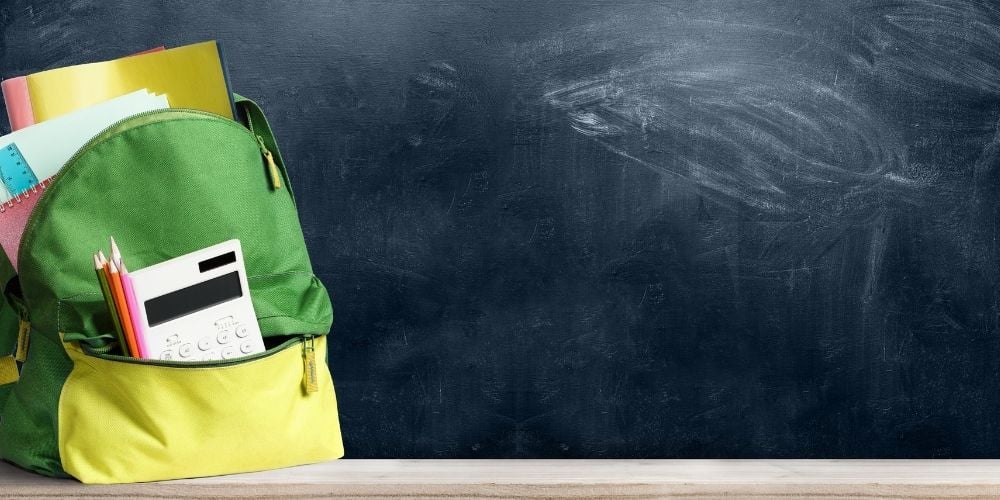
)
(194, 298)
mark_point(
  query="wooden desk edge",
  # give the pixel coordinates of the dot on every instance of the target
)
(557, 479)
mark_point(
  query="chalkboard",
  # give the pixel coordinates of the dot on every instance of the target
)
(626, 228)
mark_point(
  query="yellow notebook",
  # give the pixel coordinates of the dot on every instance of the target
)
(192, 76)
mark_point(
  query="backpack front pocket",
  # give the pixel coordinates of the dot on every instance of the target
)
(136, 420)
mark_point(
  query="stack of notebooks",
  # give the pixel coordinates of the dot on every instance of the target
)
(193, 76)
(54, 113)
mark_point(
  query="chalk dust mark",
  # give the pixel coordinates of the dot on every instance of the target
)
(743, 115)
(923, 43)
(876, 255)
(728, 120)
(985, 163)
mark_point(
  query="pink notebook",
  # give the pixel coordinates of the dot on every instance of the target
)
(15, 218)
(18, 102)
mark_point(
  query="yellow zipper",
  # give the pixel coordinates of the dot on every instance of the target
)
(21, 353)
(310, 379)
(271, 165)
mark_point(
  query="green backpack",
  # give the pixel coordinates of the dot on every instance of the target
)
(163, 184)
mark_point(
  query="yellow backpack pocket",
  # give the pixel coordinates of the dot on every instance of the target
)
(134, 420)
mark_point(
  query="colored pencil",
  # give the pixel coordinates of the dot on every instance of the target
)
(133, 311)
(116, 254)
(102, 278)
(119, 294)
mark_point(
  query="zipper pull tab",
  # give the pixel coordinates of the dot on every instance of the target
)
(272, 167)
(310, 379)
(23, 329)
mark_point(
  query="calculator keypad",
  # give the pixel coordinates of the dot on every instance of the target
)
(226, 343)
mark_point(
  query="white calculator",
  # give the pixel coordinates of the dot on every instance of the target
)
(197, 307)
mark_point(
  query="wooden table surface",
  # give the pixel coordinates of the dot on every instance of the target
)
(559, 479)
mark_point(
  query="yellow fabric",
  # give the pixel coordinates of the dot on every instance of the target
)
(125, 422)
(8, 370)
(191, 77)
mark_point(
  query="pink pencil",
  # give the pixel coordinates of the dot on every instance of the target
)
(133, 306)
(134, 312)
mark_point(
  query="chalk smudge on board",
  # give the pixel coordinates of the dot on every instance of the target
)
(742, 118)
(921, 44)
(734, 123)
(985, 163)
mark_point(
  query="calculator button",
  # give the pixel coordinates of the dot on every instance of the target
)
(173, 339)
(246, 347)
(228, 352)
(205, 343)
(167, 355)
(212, 355)
(224, 337)
(185, 351)
(241, 331)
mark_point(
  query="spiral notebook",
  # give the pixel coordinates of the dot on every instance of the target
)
(30, 157)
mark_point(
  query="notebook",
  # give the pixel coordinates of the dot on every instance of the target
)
(192, 76)
(18, 103)
(31, 156)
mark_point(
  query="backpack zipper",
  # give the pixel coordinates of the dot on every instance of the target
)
(23, 332)
(310, 379)
(271, 165)
(196, 364)
(310, 373)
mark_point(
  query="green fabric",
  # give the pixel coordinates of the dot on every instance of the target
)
(28, 428)
(8, 315)
(8, 339)
(9, 320)
(163, 183)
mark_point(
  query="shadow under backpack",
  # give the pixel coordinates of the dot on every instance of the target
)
(164, 183)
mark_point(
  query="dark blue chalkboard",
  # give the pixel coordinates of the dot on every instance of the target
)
(626, 228)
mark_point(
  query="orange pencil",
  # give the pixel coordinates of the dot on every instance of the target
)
(122, 305)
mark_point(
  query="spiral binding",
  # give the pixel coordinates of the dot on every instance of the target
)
(22, 197)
